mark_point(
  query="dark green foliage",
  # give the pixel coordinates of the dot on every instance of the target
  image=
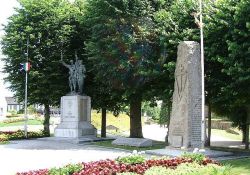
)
(227, 54)
(124, 48)
(165, 113)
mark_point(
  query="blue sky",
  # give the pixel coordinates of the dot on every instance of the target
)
(6, 10)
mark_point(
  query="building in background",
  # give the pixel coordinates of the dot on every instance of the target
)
(13, 104)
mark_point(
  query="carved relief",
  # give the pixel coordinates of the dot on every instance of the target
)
(181, 81)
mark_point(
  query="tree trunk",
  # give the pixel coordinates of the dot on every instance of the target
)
(244, 133)
(46, 120)
(247, 128)
(168, 120)
(135, 117)
(104, 121)
(209, 125)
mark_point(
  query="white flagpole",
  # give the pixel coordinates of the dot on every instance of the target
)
(26, 93)
(203, 128)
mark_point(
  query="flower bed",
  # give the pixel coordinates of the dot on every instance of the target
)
(19, 134)
(13, 120)
(162, 166)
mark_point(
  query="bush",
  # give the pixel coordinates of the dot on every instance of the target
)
(19, 134)
(173, 166)
(12, 115)
(196, 157)
(3, 138)
(13, 120)
(190, 169)
(131, 159)
(66, 170)
(158, 170)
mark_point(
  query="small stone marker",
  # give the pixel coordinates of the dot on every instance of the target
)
(137, 142)
(185, 121)
(177, 141)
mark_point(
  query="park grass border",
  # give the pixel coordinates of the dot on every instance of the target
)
(227, 149)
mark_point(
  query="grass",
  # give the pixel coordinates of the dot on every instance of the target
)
(4, 143)
(235, 150)
(223, 133)
(121, 121)
(156, 145)
(19, 123)
(239, 166)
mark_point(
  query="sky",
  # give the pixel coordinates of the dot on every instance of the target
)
(6, 10)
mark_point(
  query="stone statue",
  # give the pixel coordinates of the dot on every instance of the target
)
(72, 77)
(76, 75)
(80, 74)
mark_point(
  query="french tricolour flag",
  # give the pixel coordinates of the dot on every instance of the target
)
(26, 66)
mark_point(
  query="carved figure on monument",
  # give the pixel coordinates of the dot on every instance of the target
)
(181, 80)
(185, 121)
(80, 74)
(76, 75)
(72, 76)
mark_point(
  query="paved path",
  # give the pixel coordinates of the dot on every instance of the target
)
(19, 156)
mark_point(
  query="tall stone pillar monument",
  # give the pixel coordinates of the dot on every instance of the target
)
(186, 115)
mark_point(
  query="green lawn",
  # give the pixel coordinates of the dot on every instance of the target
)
(223, 133)
(239, 166)
(30, 122)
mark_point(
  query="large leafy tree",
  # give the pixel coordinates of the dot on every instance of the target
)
(229, 75)
(124, 48)
(44, 24)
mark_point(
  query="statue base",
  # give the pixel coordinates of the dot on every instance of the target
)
(75, 117)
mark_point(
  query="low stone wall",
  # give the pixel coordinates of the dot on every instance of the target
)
(221, 124)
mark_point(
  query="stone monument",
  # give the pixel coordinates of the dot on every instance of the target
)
(186, 115)
(75, 106)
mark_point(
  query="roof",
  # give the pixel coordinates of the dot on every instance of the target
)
(11, 101)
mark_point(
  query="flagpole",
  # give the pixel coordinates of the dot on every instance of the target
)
(203, 129)
(26, 92)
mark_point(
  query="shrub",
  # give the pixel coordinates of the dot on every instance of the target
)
(13, 120)
(158, 170)
(174, 166)
(3, 139)
(12, 115)
(196, 157)
(66, 170)
(131, 159)
(213, 169)
(19, 134)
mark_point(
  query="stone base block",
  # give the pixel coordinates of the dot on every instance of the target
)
(137, 142)
(75, 130)
(74, 133)
(177, 141)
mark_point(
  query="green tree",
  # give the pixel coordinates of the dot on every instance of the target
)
(44, 24)
(124, 47)
(229, 74)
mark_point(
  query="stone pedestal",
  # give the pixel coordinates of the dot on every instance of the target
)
(186, 116)
(75, 117)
